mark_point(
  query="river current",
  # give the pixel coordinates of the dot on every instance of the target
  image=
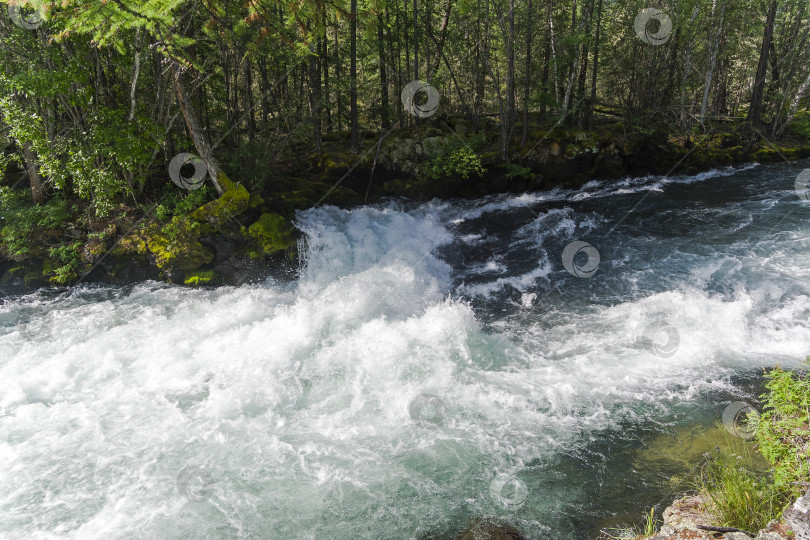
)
(434, 362)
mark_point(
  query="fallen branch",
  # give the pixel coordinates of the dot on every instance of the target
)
(724, 529)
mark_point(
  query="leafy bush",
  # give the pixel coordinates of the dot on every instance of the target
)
(783, 431)
(69, 256)
(182, 203)
(746, 494)
(461, 162)
(513, 170)
(22, 223)
(800, 126)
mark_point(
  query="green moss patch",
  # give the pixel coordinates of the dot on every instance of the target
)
(273, 233)
(201, 277)
(176, 246)
(234, 201)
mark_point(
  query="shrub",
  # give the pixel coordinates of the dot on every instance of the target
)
(461, 163)
(783, 431)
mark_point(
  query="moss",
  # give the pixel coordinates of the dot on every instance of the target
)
(11, 274)
(201, 277)
(255, 200)
(132, 243)
(176, 246)
(766, 155)
(273, 233)
(230, 204)
(32, 278)
(297, 194)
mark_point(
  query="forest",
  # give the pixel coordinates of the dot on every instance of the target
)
(98, 96)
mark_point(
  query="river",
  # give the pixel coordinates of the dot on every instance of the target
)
(434, 362)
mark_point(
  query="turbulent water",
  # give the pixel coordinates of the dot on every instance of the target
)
(433, 363)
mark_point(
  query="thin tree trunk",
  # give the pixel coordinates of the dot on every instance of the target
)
(710, 70)
(595, 66)
(325, 71)
(527, 86)
(248, 99)
(339, 94)
(755, 111)
(355, 143)
(37, 189)
(218, 178)
(508, 118)
(383, 72)
(442, 34)
(415, 44)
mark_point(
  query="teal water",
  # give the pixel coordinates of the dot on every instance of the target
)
(293, 410)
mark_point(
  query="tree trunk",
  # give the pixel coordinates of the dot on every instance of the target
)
(315, 96)
(415, 44)
(755, 111)
(527, 86)
(325, 72)
(592, 104)
(339, 93)
(710, 70)
(383, 72)
(248, 100)
(442, 34)
(37, 189)
(508, 117)
(355, 143)
(192, 123)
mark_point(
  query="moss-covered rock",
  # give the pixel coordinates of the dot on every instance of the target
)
(233, 201)
(176, 246)
(272, 233)
(201, 277)
(12, 275)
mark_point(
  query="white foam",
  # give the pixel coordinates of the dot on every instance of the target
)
(296, 396)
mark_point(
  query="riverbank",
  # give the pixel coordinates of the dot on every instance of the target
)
(734, 497)
(197, 238)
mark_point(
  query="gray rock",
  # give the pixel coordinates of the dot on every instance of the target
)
(797, 517)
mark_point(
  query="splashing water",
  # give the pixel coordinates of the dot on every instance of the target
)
(433, 363)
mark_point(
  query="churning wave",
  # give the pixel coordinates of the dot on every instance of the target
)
(297, 398)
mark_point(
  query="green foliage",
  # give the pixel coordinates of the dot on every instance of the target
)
(747, 491)
(635, 532)
(800, 126)
(24, 226)
(180, 203)
(783, 430)
(739, 493)
(66, 258)
(460, 163)
(513, 170)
